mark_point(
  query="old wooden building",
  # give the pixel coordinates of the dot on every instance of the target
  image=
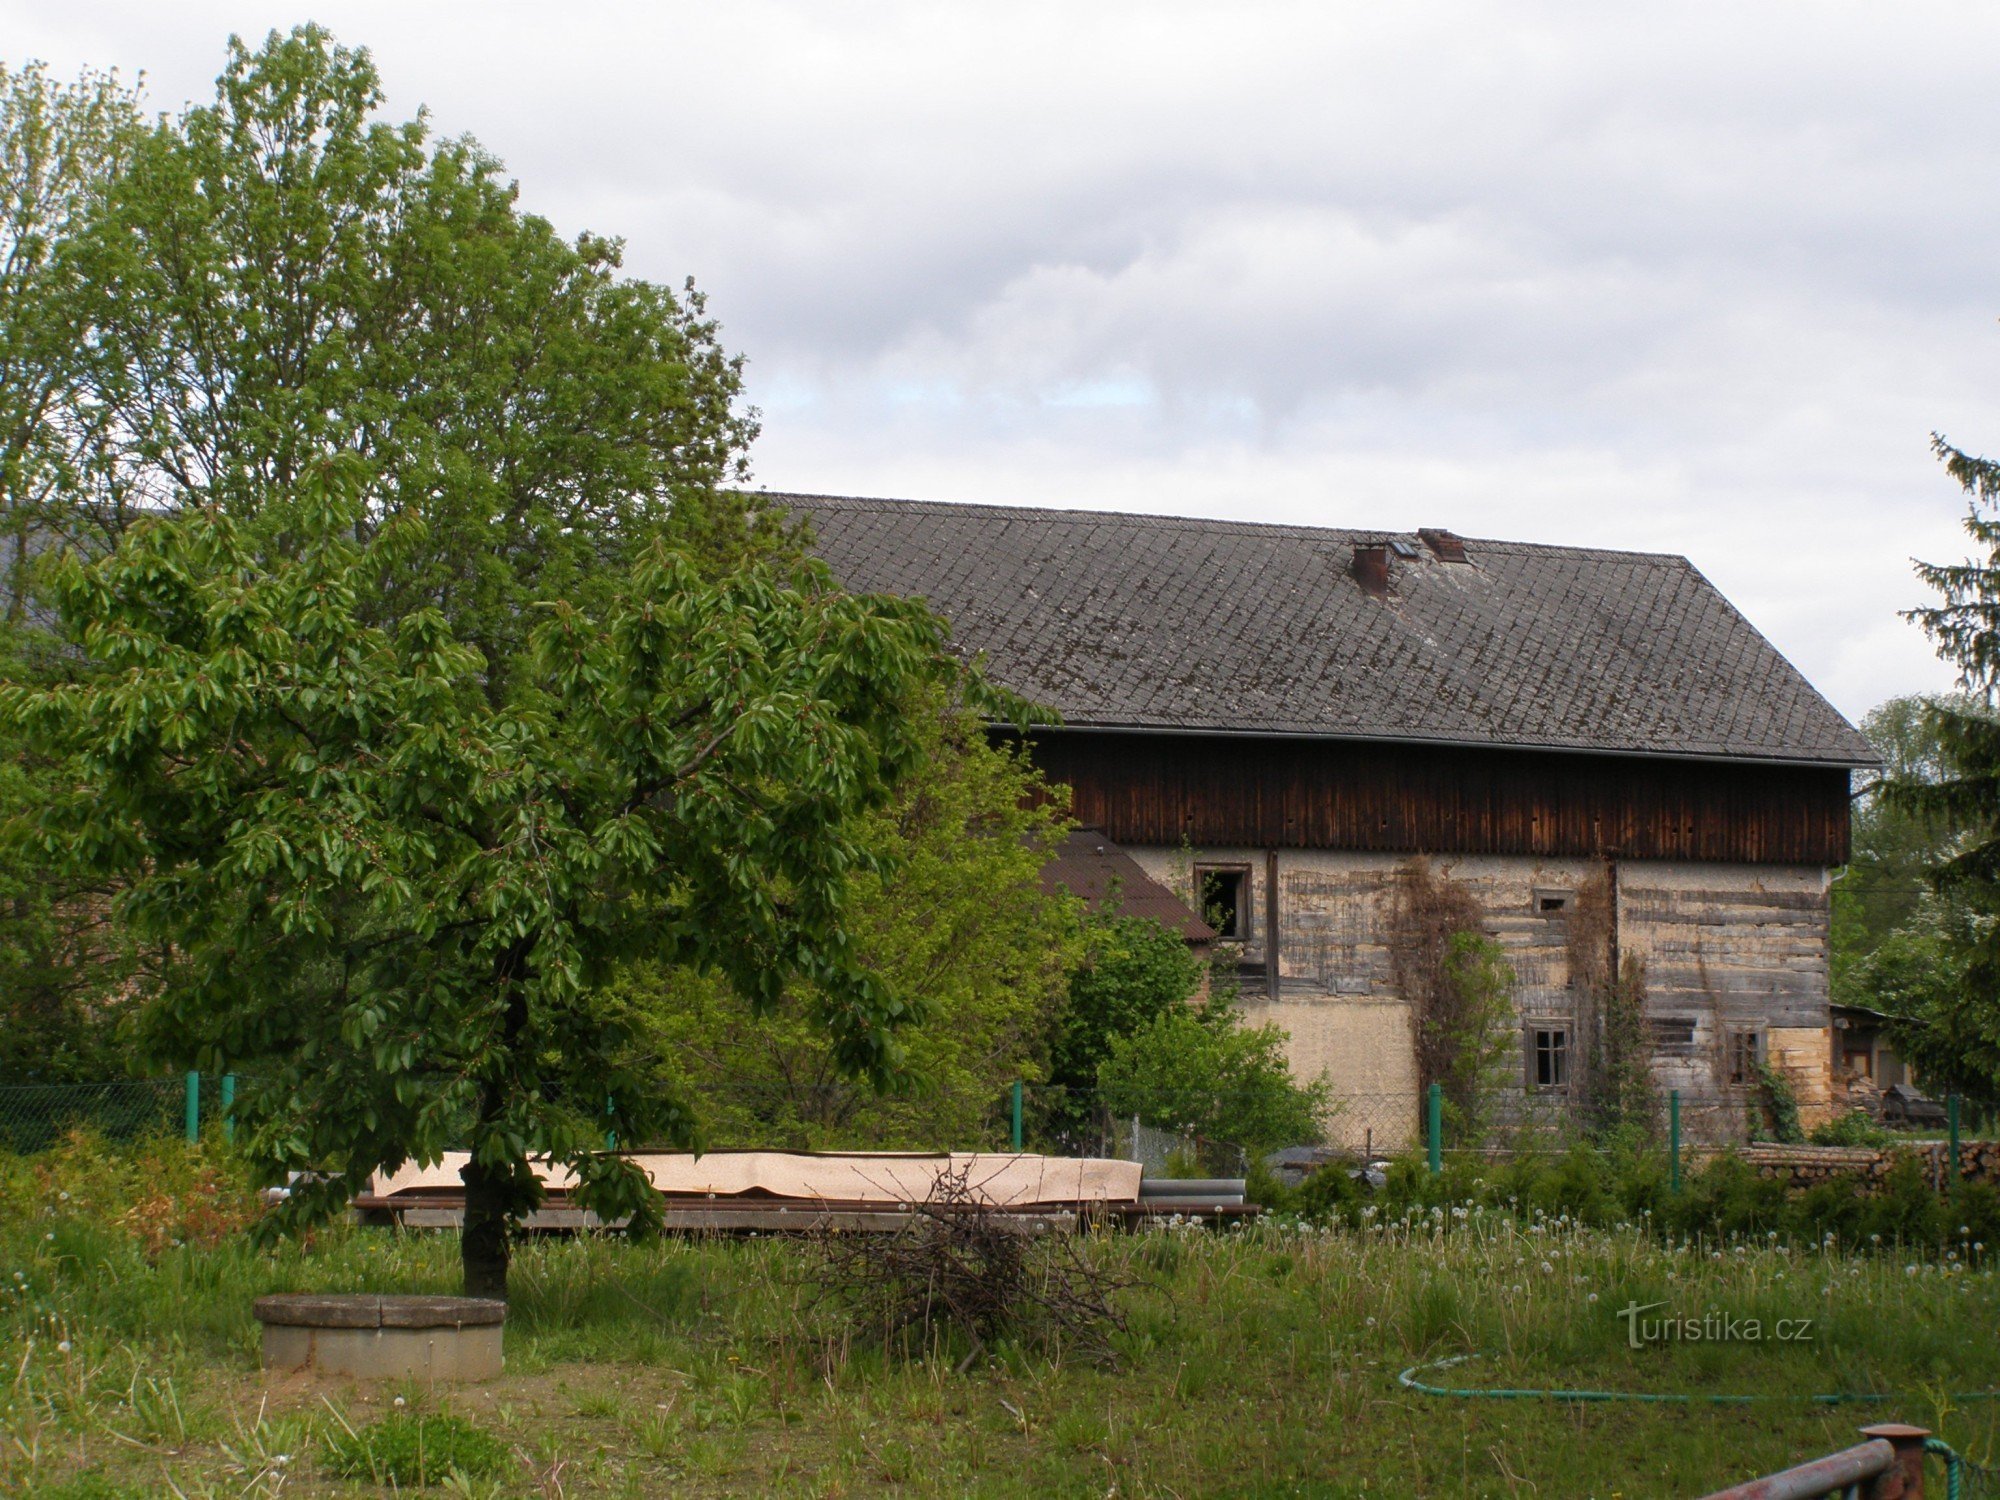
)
(1274, 720)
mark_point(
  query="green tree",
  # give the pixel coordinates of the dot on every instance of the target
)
(955, 914)
(398, 902)
(1194, 1070)
(1133, 971)
(61, 145)
(282, 276)
(1895, 848)
(1956, 1030)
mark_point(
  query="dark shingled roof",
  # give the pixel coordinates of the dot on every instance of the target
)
(1096, 871)
(1159, 622)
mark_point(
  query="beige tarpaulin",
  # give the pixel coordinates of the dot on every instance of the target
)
(1002, 1179)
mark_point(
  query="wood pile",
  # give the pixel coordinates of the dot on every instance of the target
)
(1802, 1166)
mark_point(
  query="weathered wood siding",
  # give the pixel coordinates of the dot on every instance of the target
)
(1315, 794)
(1727, 947)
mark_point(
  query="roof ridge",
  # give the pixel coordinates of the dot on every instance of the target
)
(1154, 519)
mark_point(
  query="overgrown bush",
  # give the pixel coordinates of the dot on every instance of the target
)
(1195, 1071)
(1855, 1128)
(158, 1191)
(1775, 1107)
(1459, 986)
(1628, 1185)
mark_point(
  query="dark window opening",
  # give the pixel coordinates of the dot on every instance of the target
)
(1744, 1055)
(1673, 1035)
(1548, 1057)
(1550, 903)
(1224, 894)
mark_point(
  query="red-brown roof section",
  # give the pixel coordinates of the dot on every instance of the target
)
(1105, 878)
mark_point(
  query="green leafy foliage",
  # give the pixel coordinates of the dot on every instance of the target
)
(1775, 1110)
(408, 1448)
(1195, 1070)
(1951, 792)
(282, 276)
(951, 911)
(1854, 1128)
(1460, 986)
(1886, 884)
(1726, 1198)
(61, 147)
(401, 901)
(1133, 971)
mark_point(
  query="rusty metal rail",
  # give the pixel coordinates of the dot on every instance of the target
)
(1889, 1466)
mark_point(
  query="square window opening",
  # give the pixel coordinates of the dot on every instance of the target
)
(1223, 894)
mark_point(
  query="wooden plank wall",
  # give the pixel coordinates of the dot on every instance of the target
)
(1306, 794)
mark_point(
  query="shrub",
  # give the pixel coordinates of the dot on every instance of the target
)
(406, 1449)
(1854, 1128)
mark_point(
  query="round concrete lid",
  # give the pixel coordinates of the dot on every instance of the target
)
(373, 1310)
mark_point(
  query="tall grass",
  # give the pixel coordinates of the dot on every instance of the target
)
(1256, 1362)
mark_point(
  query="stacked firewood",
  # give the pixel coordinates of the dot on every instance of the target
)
(1801, 1166)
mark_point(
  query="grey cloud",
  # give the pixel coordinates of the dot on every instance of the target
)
(1698, 277)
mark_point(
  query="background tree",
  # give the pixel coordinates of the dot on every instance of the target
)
(1895, 847)
(956, 915)
(61, 146)
(1132, 971)
(1954, 1030)
(1193, 1069)
(398, 902)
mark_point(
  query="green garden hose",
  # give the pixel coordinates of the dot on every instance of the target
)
(1835, 1398)
(1955, 1466)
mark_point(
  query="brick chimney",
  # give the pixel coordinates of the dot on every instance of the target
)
(1371, 571)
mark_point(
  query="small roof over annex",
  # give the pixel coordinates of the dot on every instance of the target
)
(1105, 878)
(1165, 623)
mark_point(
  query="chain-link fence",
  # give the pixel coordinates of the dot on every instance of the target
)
(34, 1116)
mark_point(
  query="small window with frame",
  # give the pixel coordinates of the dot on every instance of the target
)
(1548, 1056)
(1222, 895)
(1746, 1052)
(1671, 1036)
(1551, 901)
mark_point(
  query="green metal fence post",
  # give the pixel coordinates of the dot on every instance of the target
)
(192, 1108)
(1014, 1133)
(1674, 1140)
(228, 1105)
(1435, 1126)
(1951, 1116)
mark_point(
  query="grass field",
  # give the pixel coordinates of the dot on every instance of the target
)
(1257, 1363)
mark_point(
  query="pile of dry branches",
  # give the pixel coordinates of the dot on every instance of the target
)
(963, 1267)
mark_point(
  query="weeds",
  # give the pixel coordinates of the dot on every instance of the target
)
(1256, 1361)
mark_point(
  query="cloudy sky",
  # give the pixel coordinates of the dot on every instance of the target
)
(1698, 278)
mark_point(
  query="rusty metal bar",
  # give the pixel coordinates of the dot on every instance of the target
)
(1889, 1466)
(1823, 1476)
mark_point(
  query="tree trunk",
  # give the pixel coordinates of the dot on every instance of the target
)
(482, 1243)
